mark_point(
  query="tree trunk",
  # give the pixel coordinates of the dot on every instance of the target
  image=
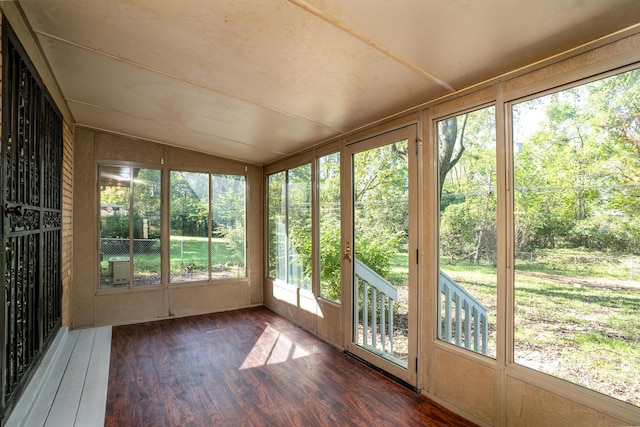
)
(451, 147)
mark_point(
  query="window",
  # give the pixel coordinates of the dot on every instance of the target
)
(228, 206)
(277, 226)
(289, 226)
(329, 226)
(467, 282)
(129, 226)
(576, 156)
(207, 226)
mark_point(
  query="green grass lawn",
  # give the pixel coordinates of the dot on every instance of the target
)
(399, 272)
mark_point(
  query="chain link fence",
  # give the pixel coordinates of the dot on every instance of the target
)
(115, 265)
(114, 247)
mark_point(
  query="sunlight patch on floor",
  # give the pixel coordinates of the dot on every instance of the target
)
(271, 348)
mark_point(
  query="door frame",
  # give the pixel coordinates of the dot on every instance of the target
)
(408, 131)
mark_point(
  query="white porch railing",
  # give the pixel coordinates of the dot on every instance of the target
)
(463, 319)
(373, 299)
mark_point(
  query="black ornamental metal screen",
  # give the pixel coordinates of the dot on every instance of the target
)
(30, 257)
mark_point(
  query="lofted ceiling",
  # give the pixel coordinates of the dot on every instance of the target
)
(256, 80)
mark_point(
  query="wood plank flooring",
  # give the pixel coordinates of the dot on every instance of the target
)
(250, 368)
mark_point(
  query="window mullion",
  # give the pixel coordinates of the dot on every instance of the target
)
(210, 223)
(131, 227)
(286, 227)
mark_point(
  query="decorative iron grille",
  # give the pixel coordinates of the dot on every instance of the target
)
(31, 221)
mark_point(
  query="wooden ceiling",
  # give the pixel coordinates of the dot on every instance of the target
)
(256, 80)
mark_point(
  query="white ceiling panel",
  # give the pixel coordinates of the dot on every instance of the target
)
(141, 127)
(121, 87)
(267, 52)
(468, 41)
(260, 79)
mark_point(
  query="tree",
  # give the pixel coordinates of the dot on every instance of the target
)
(467, 188)
(381, 198)
(576, 177)
(188, 204)
(451, 146)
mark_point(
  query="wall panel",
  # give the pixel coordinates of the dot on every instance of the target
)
(466, 384)
(532, 406)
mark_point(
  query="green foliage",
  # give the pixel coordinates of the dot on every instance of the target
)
(189, 208)
(228, 211)
(115, 226)
(607, 233)
(381, 198)
(299, 223)
(330, 263)
(289, 226)
(461, 223)
(234, 238)
(275, 223)
(376, 254)
(577, 168)
(329, 225)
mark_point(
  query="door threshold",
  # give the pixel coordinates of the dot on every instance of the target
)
(383, 372)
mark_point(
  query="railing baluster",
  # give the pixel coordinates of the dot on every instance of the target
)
(467, 323)
(476, 330)
(374, 316)
(380, 291)
(440, 326)
(456, 299)
(447, 314)
(475, 316)
(365, 313)
(390, 326)
(383, 320)
(356, 304)
(485, 333)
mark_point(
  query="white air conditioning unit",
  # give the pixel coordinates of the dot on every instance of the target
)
(119, 271)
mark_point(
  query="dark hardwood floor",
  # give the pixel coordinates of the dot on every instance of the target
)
(250, 368)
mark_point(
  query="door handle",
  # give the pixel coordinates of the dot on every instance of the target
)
(347, 252)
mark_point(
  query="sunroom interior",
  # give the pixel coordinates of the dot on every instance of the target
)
(446, 190)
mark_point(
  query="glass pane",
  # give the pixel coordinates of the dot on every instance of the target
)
(467, 282)
(277, 226)
(299, 226)
(115, 269)
(146, 227)
(228, 225)
(329, 220)
(380, 247)
(189, 241)
(577, 235)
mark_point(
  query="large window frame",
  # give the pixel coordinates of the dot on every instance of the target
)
(323, 257)
(328, 211)
(467, 185)
(118, 271)
(503, 98)
(289, 257)
(515, 360)
(222, 259)
(130, 253)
